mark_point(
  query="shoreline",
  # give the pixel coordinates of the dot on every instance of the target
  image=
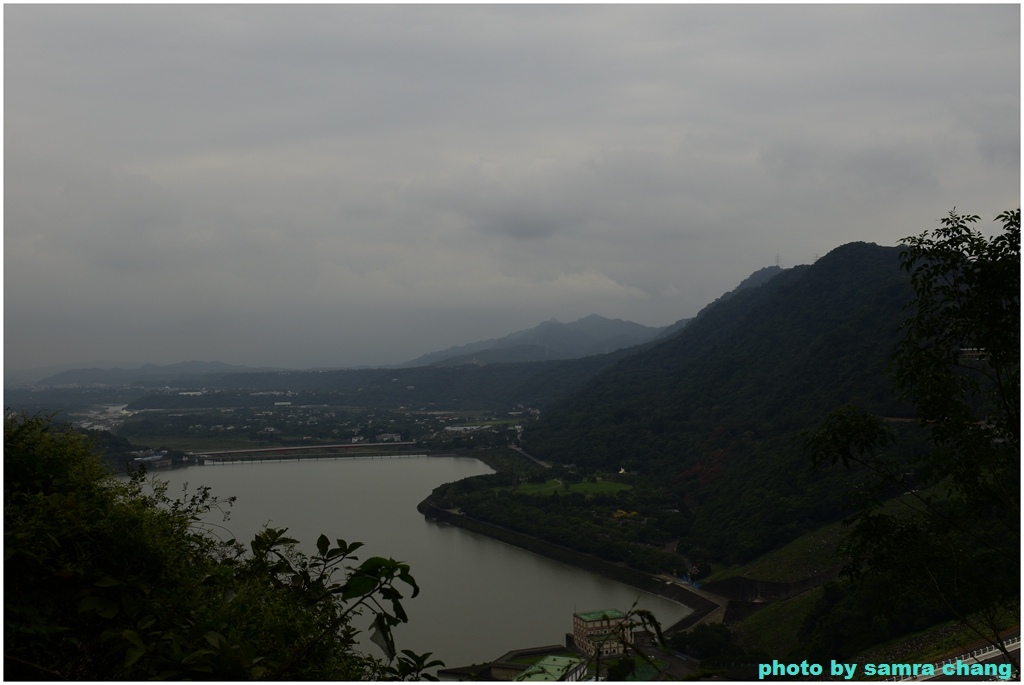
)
(701, 606)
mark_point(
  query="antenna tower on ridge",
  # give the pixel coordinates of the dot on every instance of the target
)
(778, 260)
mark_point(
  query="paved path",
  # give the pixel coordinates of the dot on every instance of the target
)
(715, 616)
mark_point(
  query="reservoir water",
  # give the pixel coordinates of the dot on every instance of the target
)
(479, 598)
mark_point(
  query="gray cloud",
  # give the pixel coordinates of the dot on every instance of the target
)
(348, 184)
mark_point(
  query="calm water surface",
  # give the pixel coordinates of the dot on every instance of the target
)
(479, 598)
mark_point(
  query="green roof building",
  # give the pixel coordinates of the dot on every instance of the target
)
(554, 668)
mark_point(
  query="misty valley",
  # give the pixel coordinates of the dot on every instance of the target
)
(754, 467)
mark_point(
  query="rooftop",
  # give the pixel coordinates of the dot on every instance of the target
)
(550, 668)
(600, 615)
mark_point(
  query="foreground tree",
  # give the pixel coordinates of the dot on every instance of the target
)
(956, 540)
(959, 363)
(104, 581)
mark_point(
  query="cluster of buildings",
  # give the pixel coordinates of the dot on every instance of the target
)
(595, 636)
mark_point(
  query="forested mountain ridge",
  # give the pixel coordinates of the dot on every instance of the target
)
(753, 280)
(715, 412)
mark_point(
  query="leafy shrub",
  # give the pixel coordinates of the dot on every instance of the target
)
(105, 581)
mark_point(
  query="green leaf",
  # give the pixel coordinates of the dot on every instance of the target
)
(391, 593)
(399, 611)
(215, 639)
(133, 655)
(409, 580)
(359, 585)
(374, 566)
(336, 552)
(103, 606)
(382, 637)
(134, 638)
(322, 544)
(195, 657)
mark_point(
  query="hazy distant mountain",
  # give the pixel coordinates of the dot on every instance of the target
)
(144, 373)
(25, 377)
(550, 340)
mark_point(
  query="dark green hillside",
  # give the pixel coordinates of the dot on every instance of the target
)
(716, 411)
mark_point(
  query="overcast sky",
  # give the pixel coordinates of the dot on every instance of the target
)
(323, 186)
